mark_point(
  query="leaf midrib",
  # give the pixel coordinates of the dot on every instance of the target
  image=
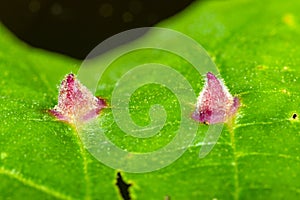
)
(19, 177)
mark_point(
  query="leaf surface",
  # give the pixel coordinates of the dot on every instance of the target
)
(255, 46)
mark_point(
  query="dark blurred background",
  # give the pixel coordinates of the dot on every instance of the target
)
(75, 27)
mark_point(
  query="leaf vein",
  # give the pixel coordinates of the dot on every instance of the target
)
(18, 176)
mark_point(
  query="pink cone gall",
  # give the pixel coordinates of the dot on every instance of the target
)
(215, 104)
(76, 103)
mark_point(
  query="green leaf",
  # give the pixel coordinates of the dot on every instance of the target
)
(41, 158)
(255, 47)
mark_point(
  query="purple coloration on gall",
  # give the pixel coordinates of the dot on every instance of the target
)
(215, 104)
(76, 103)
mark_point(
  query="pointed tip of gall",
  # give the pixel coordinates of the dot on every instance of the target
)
(70, 78)
(211, 76)
(70, 75)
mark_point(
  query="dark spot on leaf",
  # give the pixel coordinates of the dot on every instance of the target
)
(123, 187)
(295, 116)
